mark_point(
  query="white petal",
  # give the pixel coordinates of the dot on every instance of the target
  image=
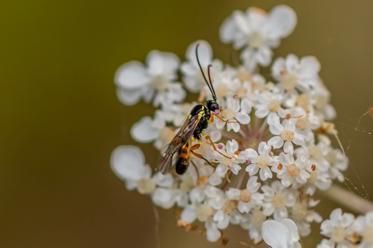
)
(127, 162)
(143, 130)
(233, 126)
(163, 198)
(235, 168)
(275, 234)
(219, 123)
(213, 234)
(276, 128)
(261, 112)
(298, 139)
(293, 230)
(310, 67)
(164, 180)
(252, 169)
(264, 56)
(272, 119)
(264, 148)
(192, 84)
(215, 135)
(196, 195)
(243, 118)
(189, 70)
(188, 215)
(223, 224)
(241, 22)
(221, 170)
(232, 146)
(249, 58)
(292, 63)
(283, 19)
(233, 104)
(265, 173)
(163, 63)
(233, 193)
(244, 207)
(249, 154)
(278, 67)
(252, 184)
(204, 53)
(215, 179)
(228, 30)
(276, 142)
(132, 75)
(288, 147)
(129, 97)
(246, 106)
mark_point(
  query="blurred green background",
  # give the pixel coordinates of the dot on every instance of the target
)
(60, 118)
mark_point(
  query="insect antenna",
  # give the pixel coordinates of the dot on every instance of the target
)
(211, 86)
(203, 74)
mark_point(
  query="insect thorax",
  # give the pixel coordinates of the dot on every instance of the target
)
(204, 112)
(199, 109)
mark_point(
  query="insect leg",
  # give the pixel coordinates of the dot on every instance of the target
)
(196, 168)
(195, 147)
(213, 115)
(215, 148)
(200, 156)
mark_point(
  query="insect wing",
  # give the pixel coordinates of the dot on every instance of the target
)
(180, 139)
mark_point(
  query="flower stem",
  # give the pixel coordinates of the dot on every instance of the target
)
(349, 199)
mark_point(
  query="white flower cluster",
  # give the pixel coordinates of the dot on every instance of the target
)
(343, 230)
(262, 158)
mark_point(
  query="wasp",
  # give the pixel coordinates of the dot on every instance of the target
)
(196, 122)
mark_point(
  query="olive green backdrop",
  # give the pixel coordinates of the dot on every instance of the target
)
(60, 118)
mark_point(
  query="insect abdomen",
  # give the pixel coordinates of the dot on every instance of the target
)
(182, 162)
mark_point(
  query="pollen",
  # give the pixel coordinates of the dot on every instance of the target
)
(303, 101)
(160, 83)
(245, 196)
(303, 123)
(204, 212)
(280, 166)
(313, 167)
(278, 200)
(256, 40)
(145, 186)
(289, 81)
(202, 181)
(299, 211)
(262, 161)
(185, 225)
(293, 170)
(338, 234)
(243, 75)
(274, 106)
(230, 206)
(356, 239)
(315, 152)
(328, 127)
(287, 135)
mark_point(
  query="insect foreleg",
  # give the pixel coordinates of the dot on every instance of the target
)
(216, 149)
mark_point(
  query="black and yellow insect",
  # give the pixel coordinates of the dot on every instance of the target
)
(195, 123)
